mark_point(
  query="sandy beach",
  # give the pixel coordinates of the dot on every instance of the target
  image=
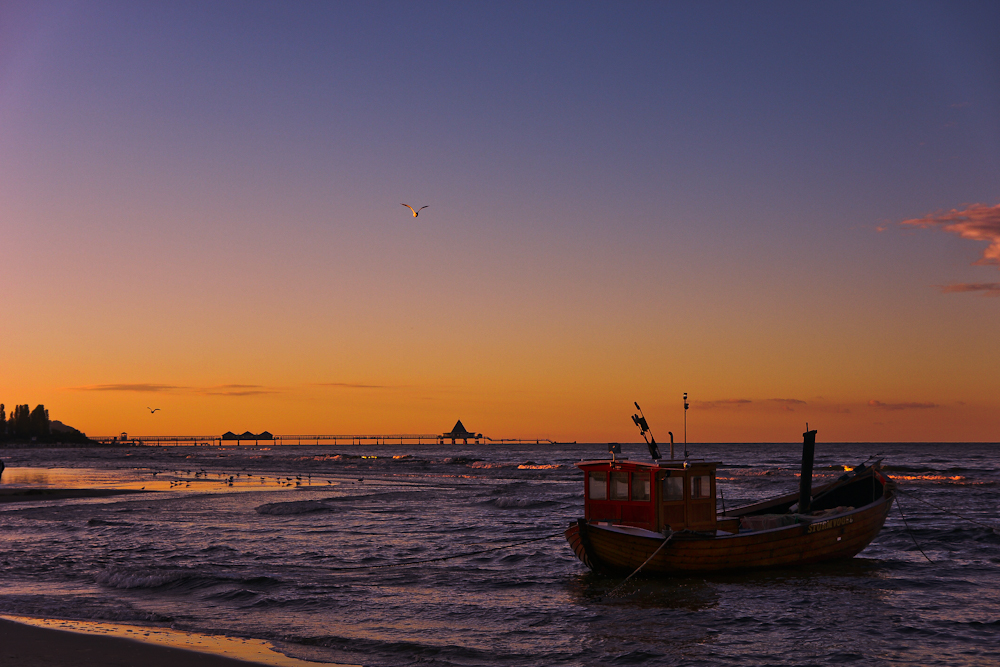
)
(29, 646)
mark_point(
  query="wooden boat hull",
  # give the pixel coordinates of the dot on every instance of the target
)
(834, 536)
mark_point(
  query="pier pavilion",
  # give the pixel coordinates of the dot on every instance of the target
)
(460, 433)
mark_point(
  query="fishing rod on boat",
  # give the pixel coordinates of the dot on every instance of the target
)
(640, 421)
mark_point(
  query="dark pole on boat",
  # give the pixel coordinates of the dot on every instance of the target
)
(640, 421)
(685, 424)
(671, 434)
(805, 481)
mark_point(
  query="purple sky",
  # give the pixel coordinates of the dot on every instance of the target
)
(627, 200)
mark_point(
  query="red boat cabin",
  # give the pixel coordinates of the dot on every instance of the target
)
(676, 494)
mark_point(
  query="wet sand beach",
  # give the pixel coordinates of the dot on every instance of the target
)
(29, 646)
(56, 643)
(22, 495)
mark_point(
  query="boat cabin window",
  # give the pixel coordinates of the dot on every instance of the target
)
(640, 486)
(701, 486)
(598, 487)
(673, 488)
(619, 486)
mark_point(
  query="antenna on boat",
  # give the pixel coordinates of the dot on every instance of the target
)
(640, 421)
(685, 424)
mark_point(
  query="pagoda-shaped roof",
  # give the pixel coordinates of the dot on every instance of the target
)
(459, 431)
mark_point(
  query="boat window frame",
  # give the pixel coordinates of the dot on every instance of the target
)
(705, 489)
(612, 495)
(671, 498)
(642, 477)
(591, 486)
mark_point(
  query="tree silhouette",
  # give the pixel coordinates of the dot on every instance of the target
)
(38, 422)
(21, 421)
(24, 424)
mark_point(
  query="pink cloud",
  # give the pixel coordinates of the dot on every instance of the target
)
(901, 406)
(977, 222)
(987, 289)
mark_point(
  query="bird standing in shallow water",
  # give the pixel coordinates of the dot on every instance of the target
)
(416, 212)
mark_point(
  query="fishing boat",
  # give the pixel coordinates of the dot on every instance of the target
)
(661, 517)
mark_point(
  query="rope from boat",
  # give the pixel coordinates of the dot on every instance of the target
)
(912, 536)
(662, 544)
(440, 558)
(947, 511)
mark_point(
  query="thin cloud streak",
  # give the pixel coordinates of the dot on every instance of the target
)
(145, 388)
(247, 392)
(786, 404)
(722, 403)
(901, 406)
(986, 289)
(238, 390)
(352, 385)
(220, 390)
(977, 222)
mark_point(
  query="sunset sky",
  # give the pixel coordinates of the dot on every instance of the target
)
(789, 210)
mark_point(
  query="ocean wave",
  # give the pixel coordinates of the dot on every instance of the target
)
(216, 548)
(238, 595)
(461, 460)
(918, 470)
(77, 606)
(102, 522)
(292, 508)
(130, 580)
(519, 502)
(382, 652)
(960, 480)
(181, 579)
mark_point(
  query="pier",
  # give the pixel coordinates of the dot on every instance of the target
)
(278, 440)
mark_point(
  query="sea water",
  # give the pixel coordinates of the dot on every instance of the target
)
(453, 555)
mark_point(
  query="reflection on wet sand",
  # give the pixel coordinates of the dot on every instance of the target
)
(26, 495)
(250, 650)
(56, 483)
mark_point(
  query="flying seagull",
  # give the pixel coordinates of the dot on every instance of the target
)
(151, 410)
(417, 212)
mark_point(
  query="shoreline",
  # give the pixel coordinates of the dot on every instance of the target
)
(29, 642)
